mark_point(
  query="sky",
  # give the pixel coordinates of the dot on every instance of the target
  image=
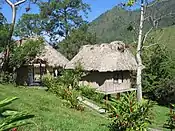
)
(97, 8)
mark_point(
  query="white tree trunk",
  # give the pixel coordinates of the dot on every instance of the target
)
(7, 51)
(13, 7)
(138, 54)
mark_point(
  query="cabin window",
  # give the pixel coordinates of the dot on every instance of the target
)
(118, 78)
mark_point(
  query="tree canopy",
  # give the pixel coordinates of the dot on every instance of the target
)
(77, 38)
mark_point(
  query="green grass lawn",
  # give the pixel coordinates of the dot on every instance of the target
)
(160, 117)
(49, 112)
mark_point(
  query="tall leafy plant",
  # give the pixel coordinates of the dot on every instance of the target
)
(129, 115)
(11, 119)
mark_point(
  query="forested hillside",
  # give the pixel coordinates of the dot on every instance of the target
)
(115, 24)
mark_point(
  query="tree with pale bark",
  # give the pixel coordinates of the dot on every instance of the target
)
(14, 5)
(142, 36)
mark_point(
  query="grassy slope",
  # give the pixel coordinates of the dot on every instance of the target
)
(160, 117)
(50, 113)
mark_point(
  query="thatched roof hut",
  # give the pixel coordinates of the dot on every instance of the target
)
(109, 66)
(104, 57)
(49, 55)
(52, 57)
(49, 60)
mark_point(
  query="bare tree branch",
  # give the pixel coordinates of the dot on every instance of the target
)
(19, 2)
(156, 42)
(146, 35)
(152, 4)
(9, 2)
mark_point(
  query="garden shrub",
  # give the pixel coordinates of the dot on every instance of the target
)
(71, 96)
(158, 76)
(129, 115)
(71, 78)
(91, 94)
(48, 81)
(166, 92)
(65, 90)
(6, 78)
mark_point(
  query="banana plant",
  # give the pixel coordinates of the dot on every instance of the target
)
(11, 119)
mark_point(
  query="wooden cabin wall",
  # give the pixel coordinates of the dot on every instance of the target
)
(107, 81)
(22, 76)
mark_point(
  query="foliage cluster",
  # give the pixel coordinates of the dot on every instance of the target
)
(66, 86)
(158, 76)
(91, 94)
(11, 119)
(29, 25)
(128, 114)
(25, 53)
(70, 46)
(63, 15)
(3, 32)
(7, 78)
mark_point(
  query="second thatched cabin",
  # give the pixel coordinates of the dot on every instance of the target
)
(48, 61)
(109, 66)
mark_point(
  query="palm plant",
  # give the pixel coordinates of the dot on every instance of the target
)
(10, 119)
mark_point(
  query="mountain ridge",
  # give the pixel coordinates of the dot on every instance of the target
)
(119, 23)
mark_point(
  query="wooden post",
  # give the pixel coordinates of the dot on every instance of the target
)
(118, 96)
(33, 72)
(106, 99)
(40, 71)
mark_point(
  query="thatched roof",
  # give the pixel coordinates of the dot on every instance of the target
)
(49, 55)
(52, 57)
(104, 57)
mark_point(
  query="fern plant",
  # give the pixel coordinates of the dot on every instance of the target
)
(11, 119)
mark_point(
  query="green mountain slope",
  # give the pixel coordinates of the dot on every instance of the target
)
(113, 24)
(166, 38)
